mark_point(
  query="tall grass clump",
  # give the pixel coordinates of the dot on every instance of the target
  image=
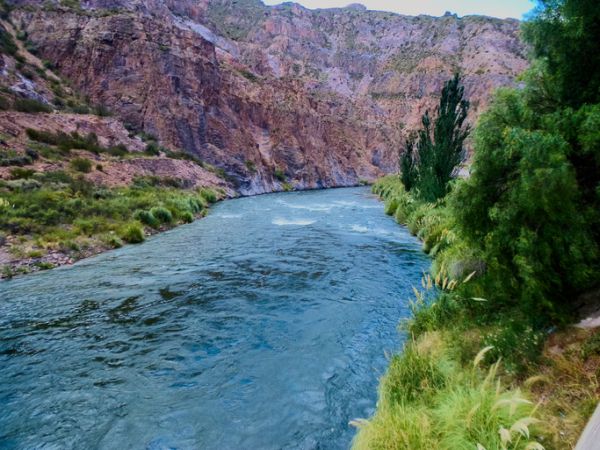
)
(132, 233)
(428, 401)
(163, 215)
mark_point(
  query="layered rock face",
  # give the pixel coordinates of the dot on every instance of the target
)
(278, 97)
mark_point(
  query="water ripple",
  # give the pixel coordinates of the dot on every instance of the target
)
(263, 325)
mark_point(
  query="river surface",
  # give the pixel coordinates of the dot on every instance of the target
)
(262, 326)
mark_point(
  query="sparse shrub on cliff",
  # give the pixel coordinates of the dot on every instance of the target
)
(163, 215)
(18, 173)
(5, 103)
(83, 165)
(7, 44)
(279, 174)
(152, 148)
(249, 75)
(119, 150)
(29, 105)
(250, 166)
(133, 234)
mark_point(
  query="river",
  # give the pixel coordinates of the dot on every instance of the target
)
(262, 326)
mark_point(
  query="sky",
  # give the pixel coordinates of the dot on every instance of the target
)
(495, 8)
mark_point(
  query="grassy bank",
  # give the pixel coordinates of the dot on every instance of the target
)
(472, 375)
(52, 217)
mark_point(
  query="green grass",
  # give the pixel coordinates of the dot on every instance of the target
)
(55, 210)
(428, 401)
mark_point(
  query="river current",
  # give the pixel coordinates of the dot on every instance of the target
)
(262, 326)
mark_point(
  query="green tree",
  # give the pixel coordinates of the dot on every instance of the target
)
(564, 36)
(523, 210)
(439, 145)
(409, 173)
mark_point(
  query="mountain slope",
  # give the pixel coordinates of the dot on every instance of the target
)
(278, 97)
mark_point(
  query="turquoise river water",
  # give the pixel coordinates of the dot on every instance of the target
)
(262, 326)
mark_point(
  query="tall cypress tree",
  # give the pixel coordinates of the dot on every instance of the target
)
(409, 173)
(439, 145)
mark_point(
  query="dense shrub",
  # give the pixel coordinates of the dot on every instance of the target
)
(209, 195)
(524, 208)
(163, 215)
(17, 173)
(133, 234)
(187, 217)
(147, 218)
(83, 165)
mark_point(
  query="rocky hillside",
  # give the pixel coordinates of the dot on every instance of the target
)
(278, 97)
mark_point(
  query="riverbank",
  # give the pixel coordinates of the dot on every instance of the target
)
(465, 380)
(61, 219)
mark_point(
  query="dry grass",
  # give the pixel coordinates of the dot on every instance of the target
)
(567, 386)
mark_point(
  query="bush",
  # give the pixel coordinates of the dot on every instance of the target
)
(117, 150)
(163, 215)
(5, 103)
(152, 148)
(187, 217)
(18, 173)
(133, 234)
(7, 44)
(147, 218)
(29, 105)
(525, 210)
(209, 195)
(279, 174)
(112, 241)
(83, 165)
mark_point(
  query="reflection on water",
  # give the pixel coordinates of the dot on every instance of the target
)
(262, 326)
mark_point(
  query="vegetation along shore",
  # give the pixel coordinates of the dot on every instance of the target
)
(492, 359)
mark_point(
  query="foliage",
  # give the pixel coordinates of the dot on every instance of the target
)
(524, 209)
(68, 141)
(132, 234)
(83, 165)
(163, 215)
(56, 208)
(279, 174)
(409, 170)
(430, 158)
(30, 105)
(429, 401)
(564, 35)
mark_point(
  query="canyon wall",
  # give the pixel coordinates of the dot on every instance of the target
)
(278, 97)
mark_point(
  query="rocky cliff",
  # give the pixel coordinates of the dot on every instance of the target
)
(278, 97)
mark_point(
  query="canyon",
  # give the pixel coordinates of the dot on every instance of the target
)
(273, 97)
